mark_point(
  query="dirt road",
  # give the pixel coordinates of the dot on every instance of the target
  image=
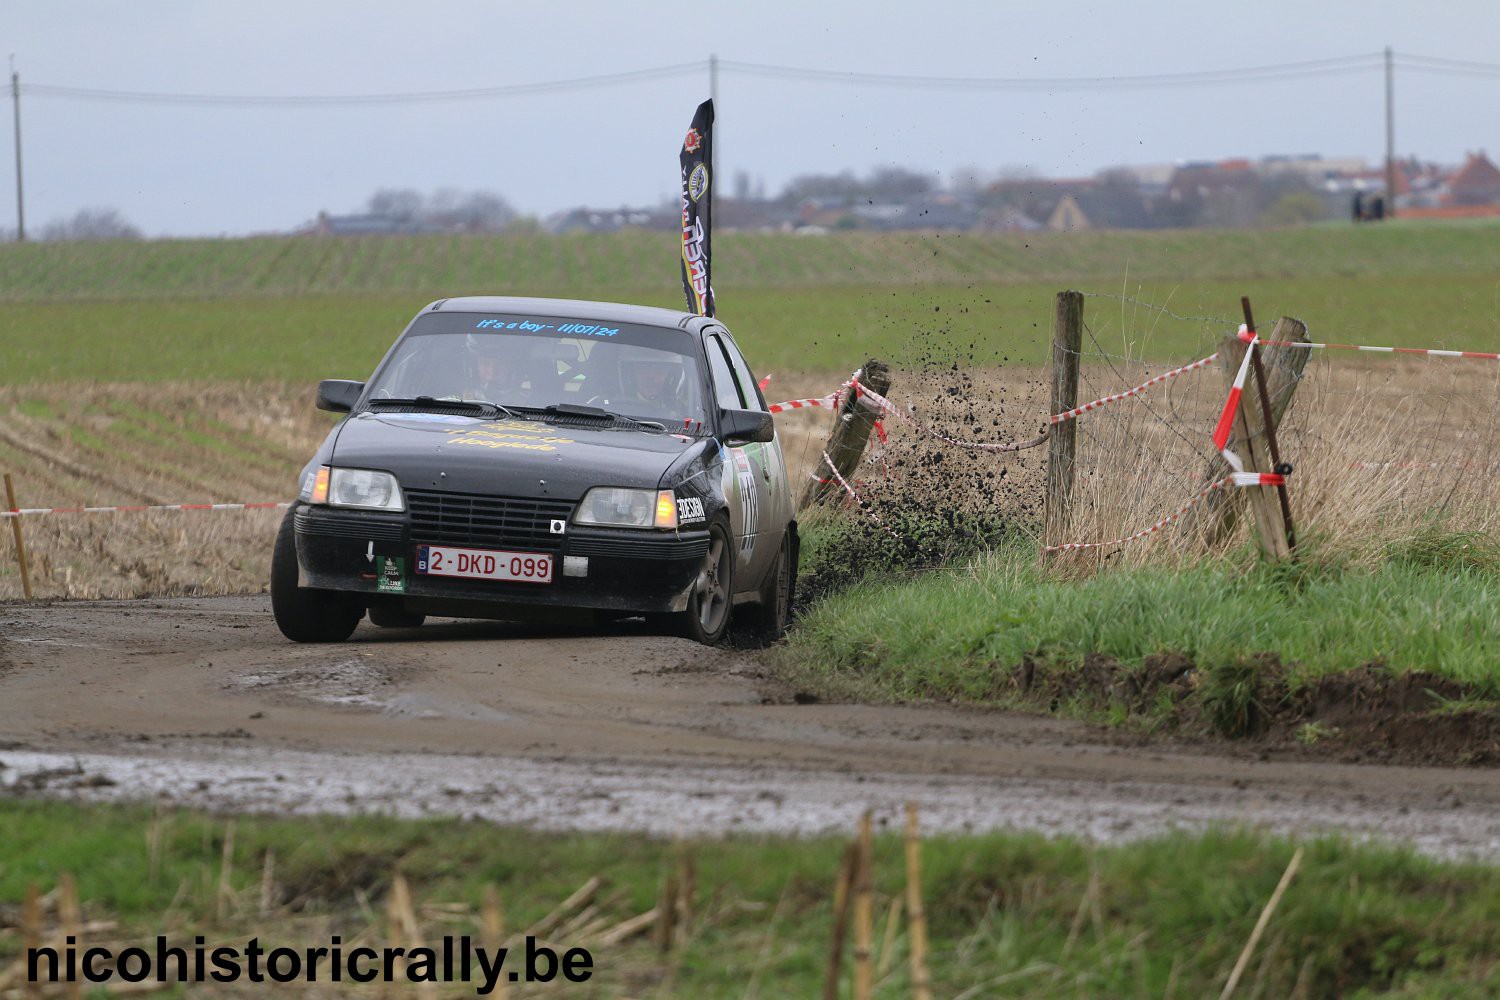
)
(200, 701)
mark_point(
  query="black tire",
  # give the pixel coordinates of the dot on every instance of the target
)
(767, 621)
(302, 613)
(710, 605)
(392, 616)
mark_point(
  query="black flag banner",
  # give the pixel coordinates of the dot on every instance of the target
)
(697, 211)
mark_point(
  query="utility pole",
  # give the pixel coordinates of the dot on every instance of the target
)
(15, 96)
(713, 95)
(1390, 135)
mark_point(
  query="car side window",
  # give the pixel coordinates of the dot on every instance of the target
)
(726, 392)
(749, 389)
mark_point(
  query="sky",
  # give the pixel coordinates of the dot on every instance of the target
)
(217, 169)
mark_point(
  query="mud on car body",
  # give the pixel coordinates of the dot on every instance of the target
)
(543, 460)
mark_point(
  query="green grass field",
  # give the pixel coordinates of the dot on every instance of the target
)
(304, 308)
(1010, 915)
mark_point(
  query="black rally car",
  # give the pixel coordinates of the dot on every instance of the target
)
(543, 460)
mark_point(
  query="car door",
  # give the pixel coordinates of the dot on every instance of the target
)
(756, 469)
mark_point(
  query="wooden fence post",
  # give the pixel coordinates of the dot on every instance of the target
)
(1067, 342)
(1215, 517)
(852, 425)
(15, 527)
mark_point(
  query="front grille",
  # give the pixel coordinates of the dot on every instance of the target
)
(485, 521)
(640, 548)
(344, 524)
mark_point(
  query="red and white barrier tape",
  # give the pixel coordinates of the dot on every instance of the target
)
(1233, 479)
(1058, 418)
(1246, 335)
(31, 511)
(1231, 406)
(799, 404)
(858, 502)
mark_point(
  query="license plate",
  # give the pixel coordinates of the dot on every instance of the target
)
(484, 564)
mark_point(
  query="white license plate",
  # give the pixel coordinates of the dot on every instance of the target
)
(484, 564)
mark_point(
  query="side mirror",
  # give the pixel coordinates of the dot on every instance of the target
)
(338, 395)
(746, 426)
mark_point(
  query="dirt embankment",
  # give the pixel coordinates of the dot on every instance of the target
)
(1370, 714)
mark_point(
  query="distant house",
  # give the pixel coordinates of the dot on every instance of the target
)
(609, 220)
(1477, 182)
(362, 225)
(1067, 217)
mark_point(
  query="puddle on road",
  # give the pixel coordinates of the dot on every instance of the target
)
(667, 800)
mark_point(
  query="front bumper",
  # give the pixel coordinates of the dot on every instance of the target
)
(622, 570)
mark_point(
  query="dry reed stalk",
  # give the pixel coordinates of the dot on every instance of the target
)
(842, 887)
(70, 918)
(887, 954)
(492, 927)
(226, 866)
(268, 881)
(627, 929)
(413, 928)
(687, 891)
(921, 981)
(666, 913)
(581, 897)
(864, 908)
(31, 936)
(1260, 924)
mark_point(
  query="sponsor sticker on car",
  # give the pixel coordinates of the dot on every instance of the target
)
(484, 564)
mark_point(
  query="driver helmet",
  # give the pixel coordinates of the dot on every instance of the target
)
(655, 376)
(491, 362)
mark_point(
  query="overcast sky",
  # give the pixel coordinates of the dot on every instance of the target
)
(207, 170)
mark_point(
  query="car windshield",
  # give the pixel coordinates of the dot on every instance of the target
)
(647, 373)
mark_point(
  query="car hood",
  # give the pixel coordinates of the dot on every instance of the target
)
(519, 458)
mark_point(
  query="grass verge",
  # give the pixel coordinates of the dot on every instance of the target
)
(1210, 646)
(1010, 914)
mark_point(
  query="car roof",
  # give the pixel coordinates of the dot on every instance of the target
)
(617, 312)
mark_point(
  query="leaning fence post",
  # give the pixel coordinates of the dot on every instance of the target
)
(1214, 519)
(1067, 343)
(15, 527)
(852, 424)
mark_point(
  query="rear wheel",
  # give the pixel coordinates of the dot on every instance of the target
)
(302, 613)
(768, 620)
(706, 618)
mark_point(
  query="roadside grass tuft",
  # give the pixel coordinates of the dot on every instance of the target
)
(1010, 914)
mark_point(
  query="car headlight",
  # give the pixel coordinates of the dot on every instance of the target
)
(620, 508)
(364, 488)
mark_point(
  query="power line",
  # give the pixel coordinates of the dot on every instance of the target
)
(345, 100)
(1247, 74)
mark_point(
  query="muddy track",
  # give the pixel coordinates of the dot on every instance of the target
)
(202, 701)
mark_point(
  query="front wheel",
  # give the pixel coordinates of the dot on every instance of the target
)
(302, 613)
(706, 618)
(768, 620)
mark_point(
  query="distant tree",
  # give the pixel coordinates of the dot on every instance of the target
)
(402, 204)
(841, 185)
(90, 224)
(883, 184)
(969, 179)
(741, 185)
(471, 211)
(446, 208)
(898, 182)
